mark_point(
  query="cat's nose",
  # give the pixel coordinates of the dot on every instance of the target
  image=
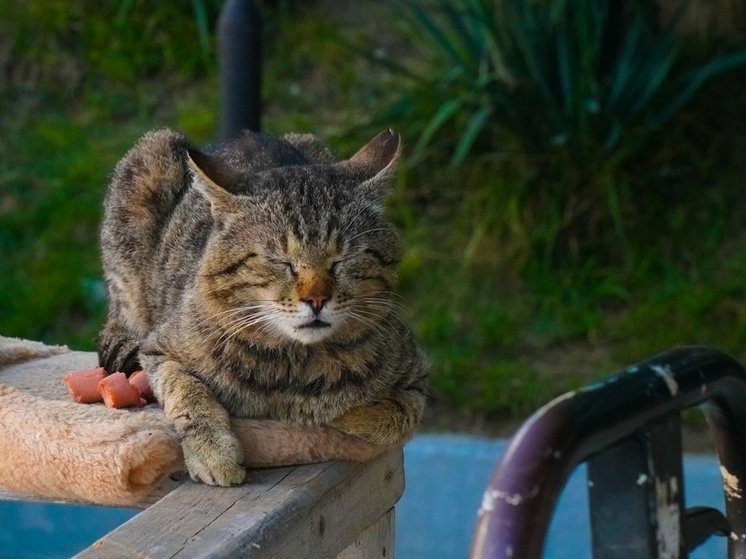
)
(316, 302)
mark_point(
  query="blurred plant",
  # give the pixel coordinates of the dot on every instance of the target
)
(204, 14)
(576, 108)
(58, 43)
(587, 77)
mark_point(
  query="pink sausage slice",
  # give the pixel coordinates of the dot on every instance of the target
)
(117, 392)
(83, 385)
(139, 379)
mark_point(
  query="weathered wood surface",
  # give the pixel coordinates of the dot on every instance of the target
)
(376, 542)
(315, 511)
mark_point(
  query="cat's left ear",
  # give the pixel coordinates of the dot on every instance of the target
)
(376, 162)
(214, 179)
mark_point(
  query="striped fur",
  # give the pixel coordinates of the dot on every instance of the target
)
(255, 279)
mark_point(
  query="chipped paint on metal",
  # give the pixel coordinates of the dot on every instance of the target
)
(669, 517)
(664, 371)
(491, 496)
(488, 502)
(731, 484)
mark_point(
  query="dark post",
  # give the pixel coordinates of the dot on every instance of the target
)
(240, 66)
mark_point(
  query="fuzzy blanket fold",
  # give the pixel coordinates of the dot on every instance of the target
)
(53, 447)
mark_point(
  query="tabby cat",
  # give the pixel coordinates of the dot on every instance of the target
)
(254, 279)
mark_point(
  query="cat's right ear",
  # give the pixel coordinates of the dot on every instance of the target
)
(213, 179)
(377, 156)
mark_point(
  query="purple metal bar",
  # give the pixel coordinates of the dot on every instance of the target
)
(524, 487)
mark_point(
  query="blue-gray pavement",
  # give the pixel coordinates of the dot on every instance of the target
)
(445, 475)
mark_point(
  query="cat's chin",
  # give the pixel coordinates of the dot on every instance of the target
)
(308, 337)
(310, 333)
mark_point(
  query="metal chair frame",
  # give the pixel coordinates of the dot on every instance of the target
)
(627, 428)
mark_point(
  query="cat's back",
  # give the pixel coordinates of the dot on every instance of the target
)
(147, 178)
(153, 175)
(253, 153)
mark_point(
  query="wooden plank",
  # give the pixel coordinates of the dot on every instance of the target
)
(315, 510)
(377, 542)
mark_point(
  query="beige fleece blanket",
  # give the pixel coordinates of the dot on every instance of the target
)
(53, 447)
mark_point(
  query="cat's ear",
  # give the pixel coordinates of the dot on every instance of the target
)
(376, 161)
(214, 179)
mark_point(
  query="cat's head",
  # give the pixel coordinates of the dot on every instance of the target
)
(301, 252)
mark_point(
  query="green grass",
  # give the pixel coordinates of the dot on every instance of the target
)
(509, 320)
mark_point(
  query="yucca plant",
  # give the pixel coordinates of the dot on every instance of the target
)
(544, 75)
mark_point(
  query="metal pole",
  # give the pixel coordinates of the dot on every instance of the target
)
(240, 66)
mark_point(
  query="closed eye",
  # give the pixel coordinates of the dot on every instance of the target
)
(288, 266)
(232, 267)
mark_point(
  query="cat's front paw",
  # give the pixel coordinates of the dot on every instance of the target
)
(214, 458)
(374, 423)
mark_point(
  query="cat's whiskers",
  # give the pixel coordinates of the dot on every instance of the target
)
(235, 328)
(245, 321)
(365, 233)
(394, 294)
(226, 321)
(216, 320)
(215, 317)
(380, 299)
(369, 323)
(373, 310)
(381, 320)
(271, 327)
(381, 308)
(261, 324)
(384, 302)
(353, 221)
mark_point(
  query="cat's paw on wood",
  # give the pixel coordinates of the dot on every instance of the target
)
(383, 423)
(215, 460)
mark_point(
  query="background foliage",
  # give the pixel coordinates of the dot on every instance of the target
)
(572, 197)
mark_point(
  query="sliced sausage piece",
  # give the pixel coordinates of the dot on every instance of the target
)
(83, 385)
(117, 392)
(139, 379)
